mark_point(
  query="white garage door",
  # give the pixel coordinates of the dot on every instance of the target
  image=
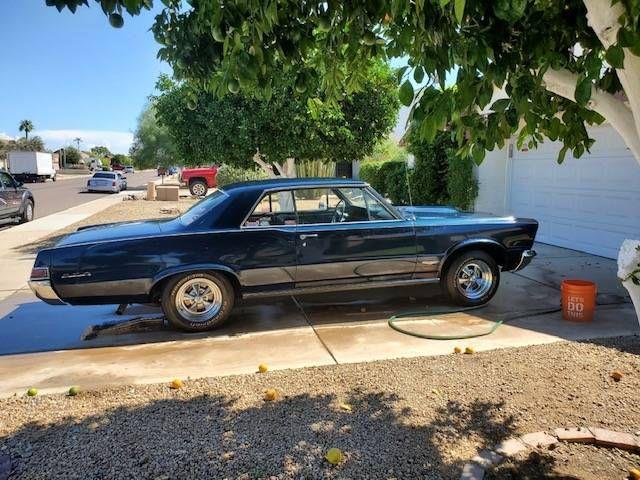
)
(590, 204)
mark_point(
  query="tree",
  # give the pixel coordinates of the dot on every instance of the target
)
(119, 159)
(26, 126)
(562, 64)
(152, 144)
(288, 127)
(101, 152)
(72, 155)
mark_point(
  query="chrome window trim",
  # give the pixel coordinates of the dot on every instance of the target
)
(363, 186)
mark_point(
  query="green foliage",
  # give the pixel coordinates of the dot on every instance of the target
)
(462, 186)
(231, 174)
(101, 152)
(386, 150)
(26, 126)
(387, 177)
(291, 124)
(439, 176)
(152, 145)
(120, 159)
(72, 155)
(230, 45)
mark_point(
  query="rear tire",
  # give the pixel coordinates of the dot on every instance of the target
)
(198, 188)
(472, 278)
(197, 302)
(27, 212)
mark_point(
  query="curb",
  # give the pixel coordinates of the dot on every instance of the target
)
(487, 459)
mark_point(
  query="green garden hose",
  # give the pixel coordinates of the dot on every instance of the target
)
(443, 311)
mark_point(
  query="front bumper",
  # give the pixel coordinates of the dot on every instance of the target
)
(525, 259)
(44, 291)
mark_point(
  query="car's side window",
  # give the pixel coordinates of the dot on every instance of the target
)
(5, 181)
(274, 208)
(377, 211)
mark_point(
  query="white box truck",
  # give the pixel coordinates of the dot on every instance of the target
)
(31, 166)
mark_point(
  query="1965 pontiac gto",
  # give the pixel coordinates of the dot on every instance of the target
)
(281, 237)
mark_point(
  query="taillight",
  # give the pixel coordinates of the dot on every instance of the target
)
(113, 183)
(40, 273)
(88, 183)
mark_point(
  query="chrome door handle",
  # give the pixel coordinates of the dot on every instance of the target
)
(304, 236)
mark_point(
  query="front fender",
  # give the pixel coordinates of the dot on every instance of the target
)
(486, 244)
(198, 267)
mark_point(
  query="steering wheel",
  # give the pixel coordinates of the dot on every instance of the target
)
(340, 214)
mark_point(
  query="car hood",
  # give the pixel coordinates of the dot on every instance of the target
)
(112, 231)
(436, 214)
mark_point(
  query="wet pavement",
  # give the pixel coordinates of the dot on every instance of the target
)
(294, 332)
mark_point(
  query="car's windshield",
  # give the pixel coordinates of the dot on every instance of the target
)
(202, 207)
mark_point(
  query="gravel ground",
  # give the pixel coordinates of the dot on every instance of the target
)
(409, 418)
(128, 210)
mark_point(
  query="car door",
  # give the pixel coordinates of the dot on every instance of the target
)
(10, 197)
(267, 243)
(347, 235)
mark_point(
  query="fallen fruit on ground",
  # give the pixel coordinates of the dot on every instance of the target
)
(334, 456)
(617, 375)
(176, 383)
(73, 391)
(469, 350)
(32, 392)
(262, 368)
(457, 350)
(346, 407)
(634, 474)
(270, 394)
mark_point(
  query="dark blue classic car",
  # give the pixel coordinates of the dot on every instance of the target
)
(281, 237)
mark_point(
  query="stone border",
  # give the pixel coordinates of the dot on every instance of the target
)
(489, 458)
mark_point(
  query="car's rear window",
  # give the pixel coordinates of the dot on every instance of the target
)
(104, 175)
(203, 206)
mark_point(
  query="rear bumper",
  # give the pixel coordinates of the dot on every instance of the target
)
(44, 291)
(525, 259)
(103, 189)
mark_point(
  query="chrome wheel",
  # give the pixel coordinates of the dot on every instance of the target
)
(198, 189)
(474, 279)
(198, 300)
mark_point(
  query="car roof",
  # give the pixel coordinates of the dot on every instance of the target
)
(280, 182)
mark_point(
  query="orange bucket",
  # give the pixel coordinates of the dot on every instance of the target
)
(578, 300)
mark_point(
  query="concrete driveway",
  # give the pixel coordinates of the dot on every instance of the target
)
(47, 346)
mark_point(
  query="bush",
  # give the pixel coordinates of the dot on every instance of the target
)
(438, 177)
(462, 186)
(315, 168)
(229, 174)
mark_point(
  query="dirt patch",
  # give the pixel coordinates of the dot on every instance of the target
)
(128, 210)
(409, 418)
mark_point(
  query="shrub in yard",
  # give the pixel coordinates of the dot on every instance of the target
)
(230, 174)
(429, 175)
(462, 185)
(394, 175)
(370, 173)
(315, 168)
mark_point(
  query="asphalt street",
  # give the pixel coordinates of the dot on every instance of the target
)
(51, 197)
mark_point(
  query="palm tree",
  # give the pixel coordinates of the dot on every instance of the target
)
(77, 140)
(26, 126)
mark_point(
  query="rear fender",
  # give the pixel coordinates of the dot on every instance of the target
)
(199, 267)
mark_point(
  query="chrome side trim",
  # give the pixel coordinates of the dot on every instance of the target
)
(44, 291)
(341, 287)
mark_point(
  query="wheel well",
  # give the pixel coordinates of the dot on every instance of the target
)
(496, 251)
(197, 179)
(156, 290)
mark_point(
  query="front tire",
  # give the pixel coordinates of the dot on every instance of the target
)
(198, 302)
(472, 278)
(27, 212)
(198, 188)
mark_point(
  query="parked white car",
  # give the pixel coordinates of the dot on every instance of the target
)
(129, 169)
(113, 182)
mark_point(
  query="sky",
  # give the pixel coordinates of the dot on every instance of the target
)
(73, 75)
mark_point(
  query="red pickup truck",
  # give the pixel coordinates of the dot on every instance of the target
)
(199, 179)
